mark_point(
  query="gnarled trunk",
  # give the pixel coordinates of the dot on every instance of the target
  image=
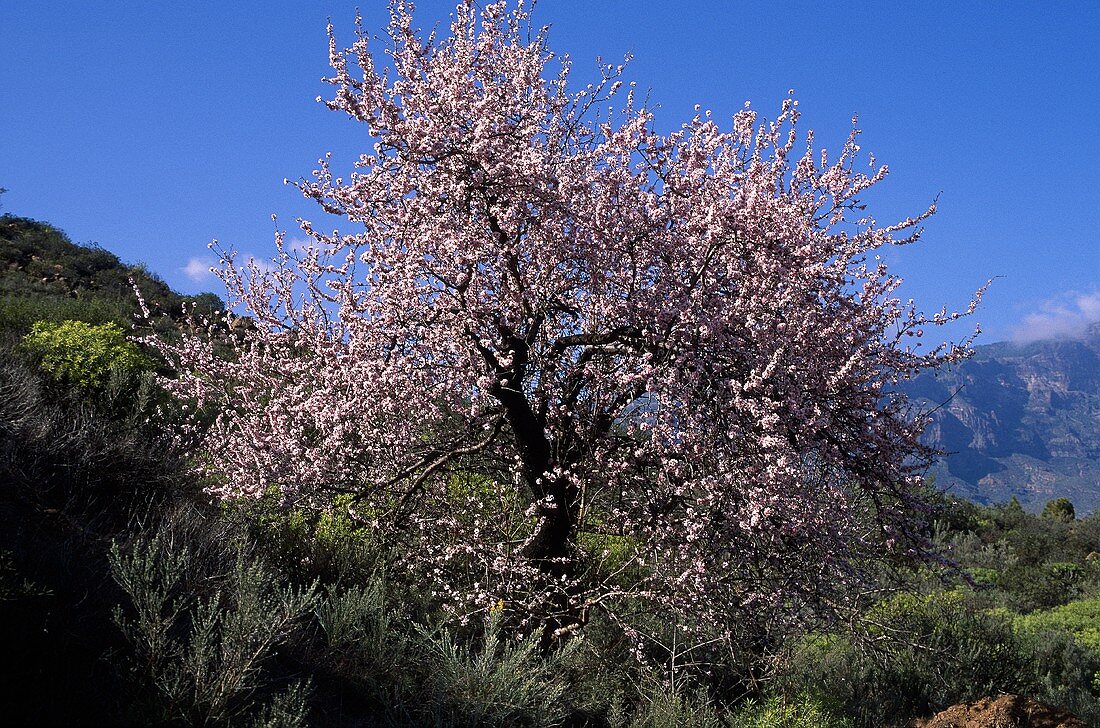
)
(551, 546)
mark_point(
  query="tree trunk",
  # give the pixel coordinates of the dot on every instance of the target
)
(551, 546)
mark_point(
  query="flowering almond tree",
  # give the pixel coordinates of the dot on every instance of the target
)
(574, 364)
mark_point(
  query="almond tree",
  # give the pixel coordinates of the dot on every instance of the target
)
(575, 364)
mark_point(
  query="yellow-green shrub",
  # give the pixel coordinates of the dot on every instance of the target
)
(85, 356)
(1080, 619)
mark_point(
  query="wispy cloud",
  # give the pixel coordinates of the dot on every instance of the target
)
(198, 269)
(262, 264)
(1064, 317)
(298, 245)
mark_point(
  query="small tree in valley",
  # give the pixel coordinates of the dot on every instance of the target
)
(1060, 509)
(572, 363)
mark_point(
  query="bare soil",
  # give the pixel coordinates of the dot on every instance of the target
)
(1005, 711)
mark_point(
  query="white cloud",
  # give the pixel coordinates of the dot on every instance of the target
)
(1063, 317)
(299, 245)
(198, 269)
(262, 264)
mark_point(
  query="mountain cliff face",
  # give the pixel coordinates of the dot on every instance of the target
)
(1019, 420)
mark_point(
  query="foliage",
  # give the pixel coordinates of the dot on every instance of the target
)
(57, 450)
(503, 682)
(13, 586)
(18, 312)
(1080, 619)
(674, 339)
(665, 707)
(1060, 509)
(288, 708)
(919, 654)
(362, 653)
(1044, 585)
(356, 616)
(74, 477)
(45, 276)
(204, 653)
(436, 676)
(323, 542)
(802, 712)
(84, 356)
(1032, 562)
(1066, 670)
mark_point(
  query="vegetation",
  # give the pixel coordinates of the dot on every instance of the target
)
(490, 524)
(267, 613)
(581, 369)
(44, 276)
(84, 356)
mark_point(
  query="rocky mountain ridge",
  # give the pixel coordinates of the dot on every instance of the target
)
(1019, 420)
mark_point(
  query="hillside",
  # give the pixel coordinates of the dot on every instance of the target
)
(1020, 421)
(44, 275)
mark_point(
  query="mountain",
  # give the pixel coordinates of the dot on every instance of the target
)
(1019, 420)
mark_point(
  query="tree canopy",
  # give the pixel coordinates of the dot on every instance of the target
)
(572, 364)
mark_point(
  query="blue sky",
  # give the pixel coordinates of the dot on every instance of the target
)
(153, 128)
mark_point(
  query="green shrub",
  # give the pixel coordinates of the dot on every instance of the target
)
(20, 311)
(62, 453)
(1079, 619)
(1067, 672)
(917, 655)
(356, 615)
(319, 542)
(1064, 643)
(1042, 586)
(802, 712)
(13, 585)
(85, 356)
(1060, 509)
(201, 643)
(372, 644)
(662, 707)
(287, 709)
(499, 682)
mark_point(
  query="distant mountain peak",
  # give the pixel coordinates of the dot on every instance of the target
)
(1019, 420)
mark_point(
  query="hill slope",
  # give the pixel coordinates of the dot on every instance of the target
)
(44, 275)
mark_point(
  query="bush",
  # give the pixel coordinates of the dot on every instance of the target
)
(1042, 586)
(665, 707)
(91, 358)
(776, 712)
(918, 655)
(372, 646)
(323, 541)
(203, 654)
(499, 682)
(20, 311)
(1060, 509)
(63, 453)
(1079, 619)
(1067, 671)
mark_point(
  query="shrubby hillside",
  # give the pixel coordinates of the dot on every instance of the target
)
(45, 276)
